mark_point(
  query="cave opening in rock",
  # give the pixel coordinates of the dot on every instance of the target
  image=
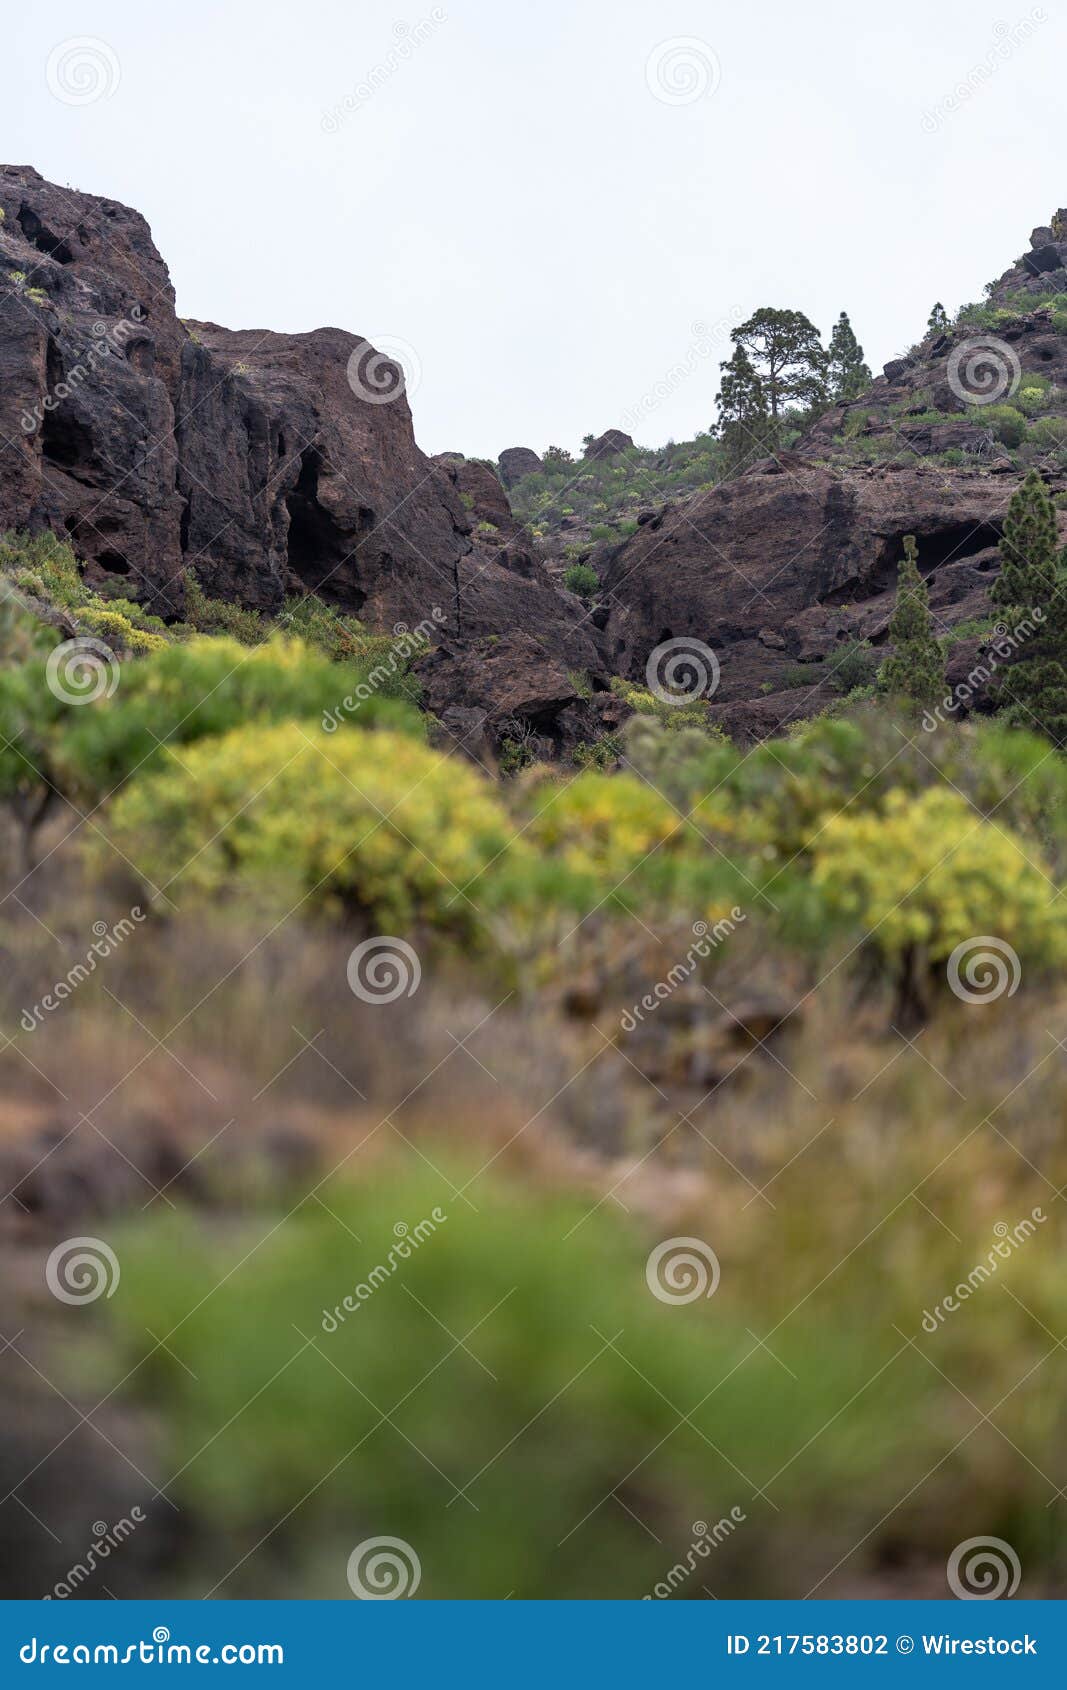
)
(66, 442)
(113, 562)
(43, 239)
(950, 544)
(937, 549)
(318, 545)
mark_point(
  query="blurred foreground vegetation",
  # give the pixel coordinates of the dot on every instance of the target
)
(571, 1081)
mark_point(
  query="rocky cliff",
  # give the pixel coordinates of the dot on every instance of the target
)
(788, 563)
(272, 463)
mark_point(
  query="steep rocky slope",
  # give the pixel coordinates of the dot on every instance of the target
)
(785, 564)
(273, 463)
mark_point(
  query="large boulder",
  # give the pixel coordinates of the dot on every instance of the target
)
(515, 462)
(609, 444)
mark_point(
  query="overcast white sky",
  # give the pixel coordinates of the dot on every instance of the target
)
(531, 200)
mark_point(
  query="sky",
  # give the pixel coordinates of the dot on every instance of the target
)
(554, 213)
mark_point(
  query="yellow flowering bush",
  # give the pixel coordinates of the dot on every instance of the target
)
(119, 631)
(373, 825)
(602, 824)
(927, 873)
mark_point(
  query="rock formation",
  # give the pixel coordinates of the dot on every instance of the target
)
(271, 463)
(786, 563)
(515, 462)
(608, 444)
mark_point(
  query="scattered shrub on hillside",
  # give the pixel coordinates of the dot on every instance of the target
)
(925, 875)
(373, 827)
(206, 687)
(218, 616)
(581, 579)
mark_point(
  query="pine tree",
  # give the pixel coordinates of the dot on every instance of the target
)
(788, 357)
(744, 420)
(1034, 688)
(916, 670)
(938, 320)
(848, 375)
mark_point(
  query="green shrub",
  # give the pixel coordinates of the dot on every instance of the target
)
(1007, 423)
(219, 616)
(581, 579)
(924, 876)
(1048, 432)
(203, 688)
(371, 826)
(119, 631)
(852, 665)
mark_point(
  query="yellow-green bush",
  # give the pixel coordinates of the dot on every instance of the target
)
(119, 631)
(601, 824)
(928, 873)
(373, 825)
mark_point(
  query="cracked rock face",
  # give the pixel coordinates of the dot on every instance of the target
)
(271, 463)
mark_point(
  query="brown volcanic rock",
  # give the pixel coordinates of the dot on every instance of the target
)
(480, 490)
(801, 553)
(250, 454)
(516, 461)
(86, 306)
(609, 444)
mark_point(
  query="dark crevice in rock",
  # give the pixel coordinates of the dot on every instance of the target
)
(43, 239)
(318, 546)
(65, 442)
(113, 562)
(942, 546)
